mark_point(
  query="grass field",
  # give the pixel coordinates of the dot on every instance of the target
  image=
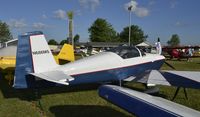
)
(82, 100)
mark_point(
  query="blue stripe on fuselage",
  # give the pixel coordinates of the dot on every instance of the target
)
(116, 74)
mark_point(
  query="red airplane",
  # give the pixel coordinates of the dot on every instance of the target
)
(181, 52)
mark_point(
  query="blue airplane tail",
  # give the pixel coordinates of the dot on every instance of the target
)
(33, 56)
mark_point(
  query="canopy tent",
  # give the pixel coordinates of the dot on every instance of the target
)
(144, 44)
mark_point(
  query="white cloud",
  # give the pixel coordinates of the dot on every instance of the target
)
(60, 14)
(142, 12)
(14, 23)
(90, 4)
(138, 11)
(39, 25)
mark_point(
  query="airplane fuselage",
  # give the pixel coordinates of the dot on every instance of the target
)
(108, 66)
(117, 64)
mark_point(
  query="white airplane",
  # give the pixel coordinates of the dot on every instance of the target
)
(35, 58)
(35, 66)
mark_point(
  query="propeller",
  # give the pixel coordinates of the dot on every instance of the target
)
(170, 65)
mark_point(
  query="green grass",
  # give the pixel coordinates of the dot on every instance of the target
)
(83, 100)
(184, 65)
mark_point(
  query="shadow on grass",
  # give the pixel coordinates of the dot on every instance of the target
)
(8, 92)
(85, 111)
(34, 94)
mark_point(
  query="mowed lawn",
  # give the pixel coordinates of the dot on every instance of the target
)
(83, 100)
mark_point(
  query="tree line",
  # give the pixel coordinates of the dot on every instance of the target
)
(99, 31)
(102, 31)
(54, 42)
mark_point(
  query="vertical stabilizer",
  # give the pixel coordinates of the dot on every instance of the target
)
(67, 53)
(42, 57)
(33, 56)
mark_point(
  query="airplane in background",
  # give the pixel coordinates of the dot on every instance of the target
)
(182, 52)
(8, 55)
(36, 67)
(7, 62)
(65, 55)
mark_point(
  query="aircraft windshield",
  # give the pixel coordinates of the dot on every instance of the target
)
(126, 52)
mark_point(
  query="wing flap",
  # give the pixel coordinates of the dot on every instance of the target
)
(187, 79)
(54, 76)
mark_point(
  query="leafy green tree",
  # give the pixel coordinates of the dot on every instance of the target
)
(174, 41)
(64, 41)
(76, 38)
(5, 34)
(52, 42)
(102, 31)
(137, 35)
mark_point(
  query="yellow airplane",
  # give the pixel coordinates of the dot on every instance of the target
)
(8, 59)
(7, 62)
(66, 54)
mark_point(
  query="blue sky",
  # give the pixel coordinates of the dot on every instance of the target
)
(157, 18)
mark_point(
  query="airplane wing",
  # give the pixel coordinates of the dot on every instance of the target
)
(187, 79)
(144, 105)
(54, 76)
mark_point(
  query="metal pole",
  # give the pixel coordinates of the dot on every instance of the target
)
(129, 36)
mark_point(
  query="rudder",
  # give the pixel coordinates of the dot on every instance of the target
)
(33, 56)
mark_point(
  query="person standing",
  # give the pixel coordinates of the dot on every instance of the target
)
(158, 47)
(190, 53)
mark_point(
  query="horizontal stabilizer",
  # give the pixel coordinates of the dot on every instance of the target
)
(187, 79)
(54, 76)
(144, 105)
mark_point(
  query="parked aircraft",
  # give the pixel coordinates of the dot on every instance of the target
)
(118, 64)
(182, 52)
(65, 55)
(36, 67)
(8, 55)
(115, 65)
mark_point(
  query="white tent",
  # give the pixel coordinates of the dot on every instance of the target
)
(144, 44)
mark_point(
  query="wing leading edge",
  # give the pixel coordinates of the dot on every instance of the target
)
(144, 105)
(54, 76)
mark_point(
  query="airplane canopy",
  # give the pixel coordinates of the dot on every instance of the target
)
(127, 52)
